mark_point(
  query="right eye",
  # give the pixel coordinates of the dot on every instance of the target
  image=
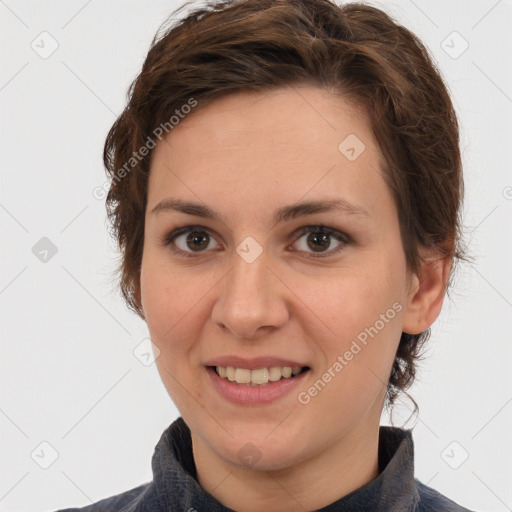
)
(189, 240)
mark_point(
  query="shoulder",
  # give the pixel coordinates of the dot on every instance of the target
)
(433, 501)
(128, 501)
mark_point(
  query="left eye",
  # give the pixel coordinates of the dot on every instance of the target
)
(195, 239)
(319, 239)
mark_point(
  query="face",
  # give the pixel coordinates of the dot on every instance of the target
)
(232, 283)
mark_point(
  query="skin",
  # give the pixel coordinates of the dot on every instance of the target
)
(246, 155)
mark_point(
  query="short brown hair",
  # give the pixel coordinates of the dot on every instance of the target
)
(357, 50)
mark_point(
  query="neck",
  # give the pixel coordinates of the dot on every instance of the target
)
(314, 483)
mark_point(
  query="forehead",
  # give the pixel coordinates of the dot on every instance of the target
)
(273, 147)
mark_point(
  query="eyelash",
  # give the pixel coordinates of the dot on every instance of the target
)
(317, 229)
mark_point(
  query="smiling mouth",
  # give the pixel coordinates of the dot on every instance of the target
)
(260, 376)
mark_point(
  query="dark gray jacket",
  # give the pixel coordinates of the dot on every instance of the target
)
(175, 489)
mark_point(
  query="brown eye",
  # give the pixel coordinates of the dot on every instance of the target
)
(189, 240)
(318, 242)
(319, 239)
(197, 240)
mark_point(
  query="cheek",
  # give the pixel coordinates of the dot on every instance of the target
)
(172, 305)
(168, 299)
(348, 303)
(359, 313)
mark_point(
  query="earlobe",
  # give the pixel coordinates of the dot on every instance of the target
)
(426, 293)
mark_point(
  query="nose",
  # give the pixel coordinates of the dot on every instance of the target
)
(252, 301)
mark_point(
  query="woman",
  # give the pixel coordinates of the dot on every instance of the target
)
(286, 192)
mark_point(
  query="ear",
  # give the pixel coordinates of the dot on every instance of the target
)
(426, 291)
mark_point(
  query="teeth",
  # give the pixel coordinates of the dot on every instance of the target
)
(230, 373)
(287, 372)
(259, 376)
(275, 373)
(242, 376)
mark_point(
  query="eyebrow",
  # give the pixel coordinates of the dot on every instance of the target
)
(281, 215)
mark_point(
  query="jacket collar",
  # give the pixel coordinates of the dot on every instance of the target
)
(393, 490)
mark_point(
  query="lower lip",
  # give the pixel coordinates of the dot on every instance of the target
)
(254, 395)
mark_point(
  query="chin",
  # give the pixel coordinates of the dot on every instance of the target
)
(260, 447)
(261, 457)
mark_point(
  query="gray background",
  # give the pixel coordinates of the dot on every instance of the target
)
(70, 378)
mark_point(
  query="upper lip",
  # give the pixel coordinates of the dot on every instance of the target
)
(252, 363)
